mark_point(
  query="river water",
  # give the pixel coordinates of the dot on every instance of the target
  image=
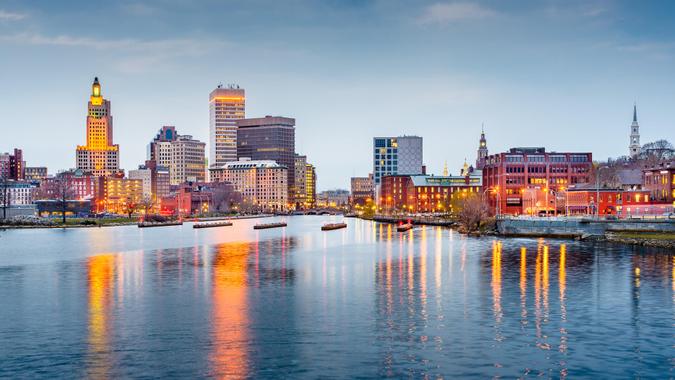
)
(365, 301)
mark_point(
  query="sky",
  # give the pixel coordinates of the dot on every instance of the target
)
(558, 74)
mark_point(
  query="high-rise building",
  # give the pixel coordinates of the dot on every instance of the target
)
(12, 166)
(482, 151)
(397, 155)
(300, 188)
(226, 106)
(269, 138)
(262, 183)
(183, 155)
(310, 186)
(100, 156)
(634, 146)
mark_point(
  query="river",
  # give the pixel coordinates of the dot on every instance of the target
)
(296, 302)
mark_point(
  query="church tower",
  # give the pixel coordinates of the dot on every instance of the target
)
(482, 150)
(634, 146)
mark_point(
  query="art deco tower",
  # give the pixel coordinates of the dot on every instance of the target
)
(634, 146)
(99, 156)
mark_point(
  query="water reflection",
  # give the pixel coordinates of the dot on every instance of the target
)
(364, 302)
(100, 280)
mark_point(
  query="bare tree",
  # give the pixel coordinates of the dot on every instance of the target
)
(146, 204)
(131, 206)
(58, 189)
(473, 212)
(5, 197)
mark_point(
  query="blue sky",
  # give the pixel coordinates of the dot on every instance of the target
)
(560, 74)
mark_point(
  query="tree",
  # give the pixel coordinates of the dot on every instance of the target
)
(130, 206)
(473, 212)
(5, 198)
(146, 204)
(58, 189)
(654, 152)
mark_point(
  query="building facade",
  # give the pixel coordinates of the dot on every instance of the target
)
(226, 106)
(74, 184)
(99, 156)
(262, 183)
(16, 193)
(604, 201)
(512, 177)
(362, 189)
(660, 182)
(269, 138)
(12, 166)
(333, 198)
(300, 178)
(425, 193)
(118, 195)
(145, 175)
(36, 173)
(181, 154)
(310, 183)
(397, 155)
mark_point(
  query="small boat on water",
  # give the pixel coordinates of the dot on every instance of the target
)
(404, 227)
(159, 224)
(333, 226)
(269, 225)
(213, 224)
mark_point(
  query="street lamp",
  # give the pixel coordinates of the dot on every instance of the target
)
(497, 198)
(597, 191)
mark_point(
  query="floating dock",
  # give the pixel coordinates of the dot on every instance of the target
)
(158, 224)
(269, 225)
(212, 224)
(333, 226)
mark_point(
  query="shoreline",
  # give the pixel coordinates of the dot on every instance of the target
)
(130, 223)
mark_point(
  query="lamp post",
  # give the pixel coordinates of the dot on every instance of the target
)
(597, 191)
(497, 198)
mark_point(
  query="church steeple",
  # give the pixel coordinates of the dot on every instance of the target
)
(635, 113)
(445, 169)
(634, 142)
(482, 149)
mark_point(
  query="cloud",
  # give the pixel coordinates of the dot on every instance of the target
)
(11, 16)
(445, 13)
(132, 55)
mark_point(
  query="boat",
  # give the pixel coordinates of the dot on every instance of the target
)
(404, 227)
(159, 224)
(333, 226)
(269, 225)
(213, 224)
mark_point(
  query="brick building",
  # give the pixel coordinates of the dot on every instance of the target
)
(424, 193)
(523, 174)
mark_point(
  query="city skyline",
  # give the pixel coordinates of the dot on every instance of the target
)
(451, 85)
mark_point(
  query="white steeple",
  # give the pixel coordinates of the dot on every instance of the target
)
(634, 146)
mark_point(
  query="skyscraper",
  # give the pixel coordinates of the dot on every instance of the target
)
(183, 155)
(397, 155)
(100, 156)
(482, 150)
(269, 138)
(634, 146)
(226, 106)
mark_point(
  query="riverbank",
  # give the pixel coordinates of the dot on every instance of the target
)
(111, 222)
